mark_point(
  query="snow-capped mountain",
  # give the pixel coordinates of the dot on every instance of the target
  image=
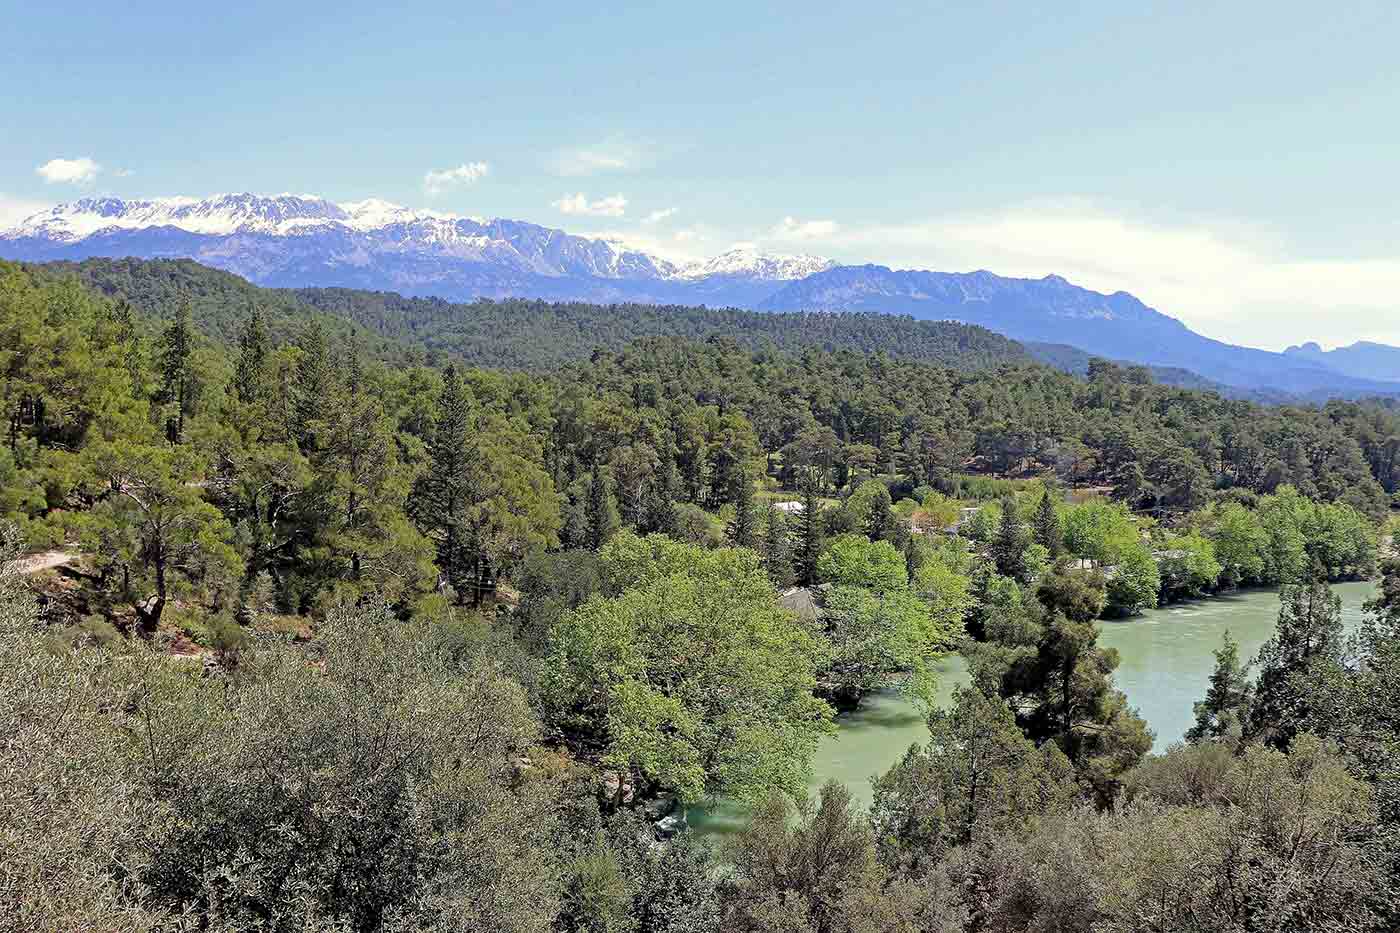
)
(748, 262)
(306, 240)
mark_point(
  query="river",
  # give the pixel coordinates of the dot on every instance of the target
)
(1165, 664)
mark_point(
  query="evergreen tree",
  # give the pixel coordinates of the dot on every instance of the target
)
(1309, 633)
(603, 518)
(252, 356)
(881, 523)
(777, 549)
(1045, 526)
(810, 533)
(177, 379)
(1226, 703)
(441, 496)
(314, 385)
(133, 350)
(1008, 548)
(742, 530)
(662, 493)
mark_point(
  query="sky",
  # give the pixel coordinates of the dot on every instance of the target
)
(1231, 164)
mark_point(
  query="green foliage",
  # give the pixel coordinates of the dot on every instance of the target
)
(1225, 710)
(1134, 583)
(1240, 544)
(692, 675)
(978, 778)
(1308, 635)
(820, 875)
(1187, 566)
(854, 560)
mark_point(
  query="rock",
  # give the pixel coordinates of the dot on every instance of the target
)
(666, 827)
(659, 806)
(612, 781)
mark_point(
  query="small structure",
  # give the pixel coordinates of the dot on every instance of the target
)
(790, 508)
(806, 601)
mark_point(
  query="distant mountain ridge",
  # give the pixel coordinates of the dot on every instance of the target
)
(1363, 358)
(296, 241)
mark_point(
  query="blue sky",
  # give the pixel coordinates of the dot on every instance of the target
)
(1234, 165)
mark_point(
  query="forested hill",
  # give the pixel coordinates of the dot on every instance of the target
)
(519, 334)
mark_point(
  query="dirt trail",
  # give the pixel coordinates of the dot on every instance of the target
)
(45, 560)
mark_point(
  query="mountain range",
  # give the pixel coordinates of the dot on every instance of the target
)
(295, 241)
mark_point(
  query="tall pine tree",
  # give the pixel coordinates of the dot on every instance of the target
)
(1226, 704)
(603, 519)
(252, 356)
(440, 499)
(1045, 525)
(743, 531)
(314, 383)
(777, 549)
(809, 534)
(177, 380)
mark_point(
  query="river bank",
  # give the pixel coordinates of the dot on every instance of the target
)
(1166, 658)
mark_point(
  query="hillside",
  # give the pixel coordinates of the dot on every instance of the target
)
(523, 334)
(1053, 310)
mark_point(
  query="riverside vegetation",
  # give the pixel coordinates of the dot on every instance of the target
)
(356, 639)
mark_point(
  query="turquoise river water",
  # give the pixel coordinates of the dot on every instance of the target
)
(1165, 664)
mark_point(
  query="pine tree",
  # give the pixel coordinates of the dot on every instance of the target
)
(177, 344)
(440, 498)
(777, 549)
(1008, 548)
(1226, 704)
(809, 534)
(1045, 526)
(603, 519)
(133, 351)
(252, 356)
(661, 508)
(313, 387)
(880, 523)
(1309, 633)
(742, 530)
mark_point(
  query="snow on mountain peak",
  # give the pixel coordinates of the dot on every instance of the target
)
(751, 262)
(378, 227)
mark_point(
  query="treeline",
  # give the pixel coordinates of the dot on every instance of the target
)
(537, 336)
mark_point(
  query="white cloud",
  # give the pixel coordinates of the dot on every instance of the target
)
(1225, 280)
(613, 206)
(657, 216)
(14, 210)
(792, 229)
(437, 182)
(685, 236)
(613, 155)
(69, 171)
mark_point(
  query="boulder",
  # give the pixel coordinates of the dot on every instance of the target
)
(668, 826)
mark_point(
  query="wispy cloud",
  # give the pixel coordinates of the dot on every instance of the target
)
(611, 155)
(436, 182)
(612, 206)
(790, 228)
(14, 210)
(655, 217)
(79, 171)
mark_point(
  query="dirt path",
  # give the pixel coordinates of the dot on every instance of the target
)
(45, 560)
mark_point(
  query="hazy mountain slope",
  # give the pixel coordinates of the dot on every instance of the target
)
(524, 334)
(1052, 310)
(292, 241)
(1364, 358)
